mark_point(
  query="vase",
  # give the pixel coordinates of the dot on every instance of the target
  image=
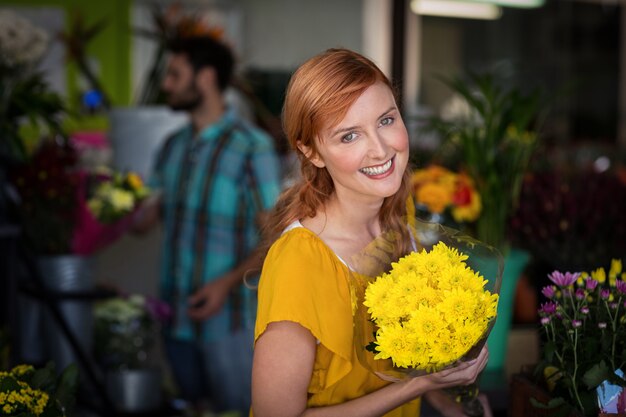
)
(137, 133)
(514, 263)
(135, 390)
(67, 274)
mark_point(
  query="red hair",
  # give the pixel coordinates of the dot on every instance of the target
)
(319, 95)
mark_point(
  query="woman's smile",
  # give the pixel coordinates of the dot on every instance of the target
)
(379, 171)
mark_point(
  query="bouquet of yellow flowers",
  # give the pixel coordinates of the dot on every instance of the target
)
(427, 308)
(430, 309)
(437, 191)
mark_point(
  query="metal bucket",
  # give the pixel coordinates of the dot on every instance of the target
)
(135, 390)
(62, 274)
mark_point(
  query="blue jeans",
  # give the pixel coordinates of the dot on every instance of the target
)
(219, 371)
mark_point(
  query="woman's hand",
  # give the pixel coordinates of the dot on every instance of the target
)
(463, 374)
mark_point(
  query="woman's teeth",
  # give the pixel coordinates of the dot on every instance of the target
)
(377, 170)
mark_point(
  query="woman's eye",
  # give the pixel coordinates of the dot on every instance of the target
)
(387, 121)
(349, 137)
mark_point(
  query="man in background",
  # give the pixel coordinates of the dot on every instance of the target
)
(215, 177)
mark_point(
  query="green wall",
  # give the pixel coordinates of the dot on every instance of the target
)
(111, 47)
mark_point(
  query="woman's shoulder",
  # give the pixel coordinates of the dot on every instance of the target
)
(300, 243)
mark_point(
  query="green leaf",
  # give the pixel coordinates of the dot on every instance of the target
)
(596, 375)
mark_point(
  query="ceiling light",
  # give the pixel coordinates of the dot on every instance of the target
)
(451, 8)
(527, 4)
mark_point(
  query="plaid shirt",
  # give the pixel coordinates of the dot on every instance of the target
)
(214, 185)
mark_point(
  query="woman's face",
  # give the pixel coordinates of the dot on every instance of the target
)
(367, 152)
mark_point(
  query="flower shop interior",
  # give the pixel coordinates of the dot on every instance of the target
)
(516, 114)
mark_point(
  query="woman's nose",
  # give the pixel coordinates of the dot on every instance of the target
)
(377, 146)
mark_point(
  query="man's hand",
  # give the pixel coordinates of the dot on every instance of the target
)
(209, 299)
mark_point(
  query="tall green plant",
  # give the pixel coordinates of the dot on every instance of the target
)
(495, 139)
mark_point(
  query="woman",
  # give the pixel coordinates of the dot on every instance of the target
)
(341, 117)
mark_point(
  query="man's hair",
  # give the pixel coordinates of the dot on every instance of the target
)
(204, 51)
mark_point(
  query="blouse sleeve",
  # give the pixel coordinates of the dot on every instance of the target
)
(303, 281)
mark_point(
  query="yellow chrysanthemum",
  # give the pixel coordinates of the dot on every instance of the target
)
(121, 199)
(458, 304)
(395, 343)
(599, 275)
(616, 268)
(134, 181)
(426, 322)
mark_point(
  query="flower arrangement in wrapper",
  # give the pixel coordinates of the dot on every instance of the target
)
(428, 309)
(106, 203)
(584, 325)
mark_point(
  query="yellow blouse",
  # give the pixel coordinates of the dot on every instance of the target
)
(305, 282)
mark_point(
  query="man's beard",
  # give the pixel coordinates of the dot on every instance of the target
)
(188, 101)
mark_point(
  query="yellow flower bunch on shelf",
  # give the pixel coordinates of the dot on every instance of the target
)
(438, 189)
(430, 309)
(117, 196)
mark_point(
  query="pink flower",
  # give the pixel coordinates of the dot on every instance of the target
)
(548, 291)
(604, 294)
(584, 310)
(580, 294)
(602, 325)
(545, 320)
(563, 279)
(591, 284)
(621, 286)
(548, 308)
(576, 323)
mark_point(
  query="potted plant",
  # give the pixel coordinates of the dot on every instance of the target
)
(126, 331)
(26, 391)
(493, 131)
(584, 347)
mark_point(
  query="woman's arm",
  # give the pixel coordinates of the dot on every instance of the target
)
(283, 363)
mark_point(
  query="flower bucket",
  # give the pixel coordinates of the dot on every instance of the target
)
(135, 390)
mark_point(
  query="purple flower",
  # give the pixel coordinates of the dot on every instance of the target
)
(576, 323)
(545, 321)
(563, 279)
(621, 286)
(548, 291)
(591, 284)
(584, 310)
(613, 306)
(580, 294)
(604, 294)
(602, 325)
(548, 308)
(159, 310)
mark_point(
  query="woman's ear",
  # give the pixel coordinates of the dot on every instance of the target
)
(308, 153)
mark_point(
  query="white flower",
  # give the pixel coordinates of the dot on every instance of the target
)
(21, 43)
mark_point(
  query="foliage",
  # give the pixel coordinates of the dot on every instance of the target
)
(47, 186)
(126, 329)
(441, 194)
(494, 133)
(571, 220)
(24, 96)
(584, 324)
(29, 392)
